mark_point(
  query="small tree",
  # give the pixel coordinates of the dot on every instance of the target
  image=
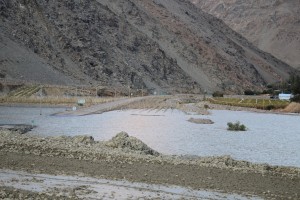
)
(295, 84)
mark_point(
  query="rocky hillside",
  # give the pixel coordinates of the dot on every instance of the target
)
(272, 25)
(162, 45)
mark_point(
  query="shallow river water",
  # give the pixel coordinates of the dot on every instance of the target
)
(92, 188)
(270, 138)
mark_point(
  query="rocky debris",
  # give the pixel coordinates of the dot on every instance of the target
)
(18, 128)
(200, 121)
(124, 141)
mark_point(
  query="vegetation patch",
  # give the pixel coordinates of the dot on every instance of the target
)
(264, 104)
(218, 94)
(236, 126)
(54, 100)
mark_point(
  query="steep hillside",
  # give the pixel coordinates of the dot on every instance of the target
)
(169, 46)
(273, 25)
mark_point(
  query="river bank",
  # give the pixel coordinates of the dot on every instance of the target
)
(126, 158)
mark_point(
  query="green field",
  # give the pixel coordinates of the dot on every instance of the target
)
(265, 104)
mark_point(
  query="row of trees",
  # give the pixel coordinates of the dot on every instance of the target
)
(290, 86)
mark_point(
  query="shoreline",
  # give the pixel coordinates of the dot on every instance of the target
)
(81, 155)
(153, 102)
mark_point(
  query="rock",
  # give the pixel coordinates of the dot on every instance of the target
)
(200, 121)
(124, 141)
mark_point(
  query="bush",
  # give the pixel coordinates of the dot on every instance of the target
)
(270, 107)
(236, 126)
(218, 94)
(249, 92)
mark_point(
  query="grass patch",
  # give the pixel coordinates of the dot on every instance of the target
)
(236, 126)
(264, 104)
(55, 100)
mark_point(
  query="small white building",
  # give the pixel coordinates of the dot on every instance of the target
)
(283, 96)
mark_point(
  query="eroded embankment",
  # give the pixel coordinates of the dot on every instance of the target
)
(126, 157)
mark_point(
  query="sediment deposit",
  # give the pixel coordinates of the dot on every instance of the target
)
(128, 158)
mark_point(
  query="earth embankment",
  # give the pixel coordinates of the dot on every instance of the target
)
(128, 158)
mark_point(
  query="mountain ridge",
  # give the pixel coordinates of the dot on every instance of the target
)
(273, 26)
(160, 45)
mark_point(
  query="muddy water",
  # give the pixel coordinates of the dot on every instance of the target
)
(92, 188)
(271, 138)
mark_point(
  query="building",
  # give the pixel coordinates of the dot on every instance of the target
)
(283, 96)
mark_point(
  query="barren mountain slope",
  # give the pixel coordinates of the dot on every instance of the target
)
(169, 46)
(272, 25)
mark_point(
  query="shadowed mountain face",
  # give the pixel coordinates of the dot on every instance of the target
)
(272, 25)
(169, 46)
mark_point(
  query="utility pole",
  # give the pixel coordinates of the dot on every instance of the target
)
(41, 94)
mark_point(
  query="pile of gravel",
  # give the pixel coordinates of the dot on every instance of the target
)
(124, 141)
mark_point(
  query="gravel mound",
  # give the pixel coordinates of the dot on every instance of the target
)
(124, 141)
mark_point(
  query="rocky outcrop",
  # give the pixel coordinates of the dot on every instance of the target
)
(273, 25)
(162, 46)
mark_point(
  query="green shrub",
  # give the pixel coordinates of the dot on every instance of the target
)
(270, 107)
(218, 94)
(236, 126)
(249, 92)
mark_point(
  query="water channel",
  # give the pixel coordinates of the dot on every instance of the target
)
(270, 138)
